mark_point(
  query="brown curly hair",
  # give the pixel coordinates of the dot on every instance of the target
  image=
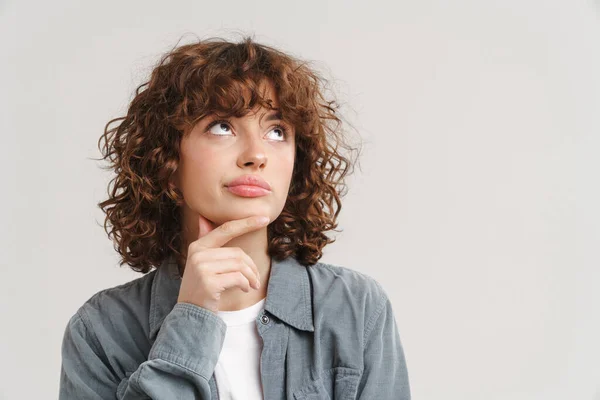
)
(190, 82)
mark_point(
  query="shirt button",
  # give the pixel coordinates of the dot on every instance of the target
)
(264, 319)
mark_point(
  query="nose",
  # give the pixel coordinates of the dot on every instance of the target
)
(253, 154)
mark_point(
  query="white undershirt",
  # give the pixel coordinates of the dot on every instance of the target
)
(238, 369)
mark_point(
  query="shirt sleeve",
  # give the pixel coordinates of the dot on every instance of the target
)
(385, 375)
(179, 366)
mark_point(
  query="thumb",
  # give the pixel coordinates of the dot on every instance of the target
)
(205, 226)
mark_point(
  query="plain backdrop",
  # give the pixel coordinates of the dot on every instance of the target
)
(475, 203)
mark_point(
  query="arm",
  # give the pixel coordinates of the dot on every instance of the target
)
(179, 366)
(385, 376)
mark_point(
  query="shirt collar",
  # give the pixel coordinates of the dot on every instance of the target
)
(288, 294)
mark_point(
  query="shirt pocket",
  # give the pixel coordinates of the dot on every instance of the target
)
(339, 383)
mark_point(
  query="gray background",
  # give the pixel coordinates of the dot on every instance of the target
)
(476, 204)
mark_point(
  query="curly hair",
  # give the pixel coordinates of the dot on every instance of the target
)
(190, 82)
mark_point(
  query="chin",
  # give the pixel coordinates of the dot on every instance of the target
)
(247, 210)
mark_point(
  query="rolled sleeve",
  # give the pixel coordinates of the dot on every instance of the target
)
(189, 347)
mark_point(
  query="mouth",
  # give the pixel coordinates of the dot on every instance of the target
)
(249, 185)
(248, 190)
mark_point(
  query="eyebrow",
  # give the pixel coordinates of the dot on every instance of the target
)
(274, 116)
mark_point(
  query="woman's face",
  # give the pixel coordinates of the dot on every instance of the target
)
(214, 154)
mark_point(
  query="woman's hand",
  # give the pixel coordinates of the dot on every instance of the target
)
(211, 269)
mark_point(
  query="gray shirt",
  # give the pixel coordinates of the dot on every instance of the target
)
(328, 332)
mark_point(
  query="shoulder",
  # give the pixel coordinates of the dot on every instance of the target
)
(326, 277)
(110, 329)
(118, 311)
(340, 292)
(130, 296)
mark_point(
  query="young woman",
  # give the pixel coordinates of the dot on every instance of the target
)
(227, 176)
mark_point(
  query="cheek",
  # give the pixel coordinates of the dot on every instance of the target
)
(285, 170)
(200, 168)
(289, 166)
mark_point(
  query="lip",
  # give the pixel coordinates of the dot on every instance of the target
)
(249, 186)
(248, 190)
(249, 180)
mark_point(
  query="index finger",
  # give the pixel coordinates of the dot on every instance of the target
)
(231, 229)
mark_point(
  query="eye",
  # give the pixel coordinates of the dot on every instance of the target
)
(224, 126)
(282, 130)
(218, 125)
